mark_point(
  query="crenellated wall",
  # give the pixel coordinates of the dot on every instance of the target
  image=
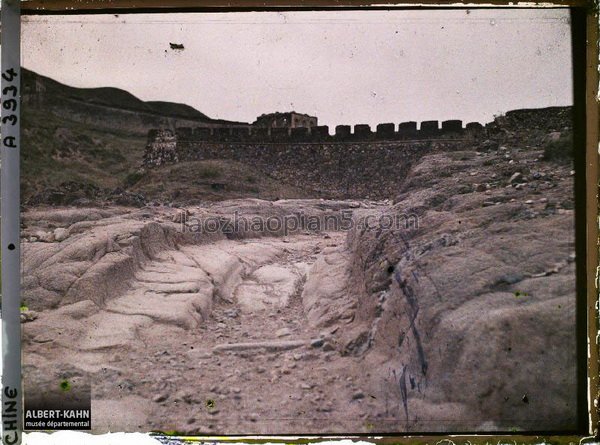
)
(356, 162)
(352, 162)
(342, 133)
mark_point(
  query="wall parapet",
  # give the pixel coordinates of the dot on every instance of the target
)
(185, 143)
(342, 133)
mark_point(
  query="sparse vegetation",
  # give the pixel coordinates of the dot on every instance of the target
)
(94, 156)
(209, 171)
(133, 177)
(209, 180)
(560, 150)
(461, 273)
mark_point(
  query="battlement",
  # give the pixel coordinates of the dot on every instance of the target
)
(313, 158)
(342, 133)
(185, 143)
(354, 161)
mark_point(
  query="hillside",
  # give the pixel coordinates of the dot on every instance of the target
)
(87, 140)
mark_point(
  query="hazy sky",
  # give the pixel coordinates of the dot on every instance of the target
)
(345, 67)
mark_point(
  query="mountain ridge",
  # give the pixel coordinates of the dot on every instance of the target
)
(39, 88)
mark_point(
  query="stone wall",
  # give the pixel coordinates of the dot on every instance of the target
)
(321, 133)
(359, 164)
(161, 148)
(329, 169)
(285, 120)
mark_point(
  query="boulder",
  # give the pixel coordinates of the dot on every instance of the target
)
(60, 234)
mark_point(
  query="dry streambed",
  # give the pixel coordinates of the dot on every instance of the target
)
(444, 327)
(228, 335)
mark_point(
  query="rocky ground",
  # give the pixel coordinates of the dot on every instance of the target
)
(463, 321)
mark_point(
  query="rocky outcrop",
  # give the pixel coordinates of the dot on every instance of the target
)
(480, 296)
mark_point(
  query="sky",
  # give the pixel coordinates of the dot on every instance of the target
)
(345, 67)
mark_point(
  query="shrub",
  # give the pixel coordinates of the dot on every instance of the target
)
(560, 150)
(133, 177)
(209, 171)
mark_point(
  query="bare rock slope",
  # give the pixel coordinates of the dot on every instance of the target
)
(459, 316)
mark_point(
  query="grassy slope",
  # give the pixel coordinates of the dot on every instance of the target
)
(55, 92)
(212, 180)
(55, 151)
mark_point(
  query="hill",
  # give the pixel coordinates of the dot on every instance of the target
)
(88, 139)
(42, 90)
